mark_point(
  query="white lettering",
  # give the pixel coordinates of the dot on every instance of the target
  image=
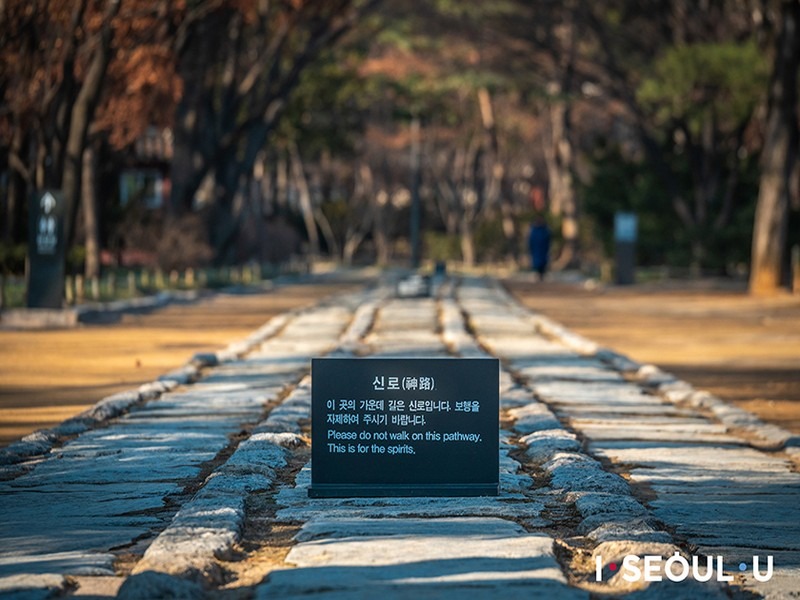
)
(721, 571)
(652, 564)
(696, 569)
(671, 561)
(757, 574)
(630, 564)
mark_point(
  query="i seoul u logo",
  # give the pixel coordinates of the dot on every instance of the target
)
(678, 568)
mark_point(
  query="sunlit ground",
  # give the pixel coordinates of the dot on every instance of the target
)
(48, 376)
(712, 334)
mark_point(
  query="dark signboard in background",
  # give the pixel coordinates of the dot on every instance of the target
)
(404, 427)
(46, 248)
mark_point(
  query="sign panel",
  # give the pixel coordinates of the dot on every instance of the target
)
(626, 227)
(46, 249)
(404, 427)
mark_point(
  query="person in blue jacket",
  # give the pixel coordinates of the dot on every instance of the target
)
(539, 245)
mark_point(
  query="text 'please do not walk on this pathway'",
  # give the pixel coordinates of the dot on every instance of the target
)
(202, 489)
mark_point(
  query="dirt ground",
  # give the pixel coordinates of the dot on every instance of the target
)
(50, 375)
(711, 334)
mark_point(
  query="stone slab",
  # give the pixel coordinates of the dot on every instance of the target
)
(295, 505)
(481, 557)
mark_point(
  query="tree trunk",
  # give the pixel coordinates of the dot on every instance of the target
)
(561, 156)
(496, 175)
(467, 241)
(509, 226)
(81, 116)
(352, 241)
(327, 232)
(379, 234)
(18, 177)
(223, 217)
(562, 191)
(777, 159)
(301, 183)
(90, 220)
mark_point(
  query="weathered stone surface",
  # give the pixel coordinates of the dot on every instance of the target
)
(618, 361)
(654, 376)
(677, 455)
(288, 416)
(207, 527)
(21, 561)
(31, 587)
(570, 369)
(578, 473)
(533, 417)
(630, 412)
(606, 395)
(511, 503)
(453, 332)
(601, 529)
(541, 446)
(676, 430)
(602, 503)
(514, 396)
(472, 557)
(110, 486)
(515, 484)
(150, 584)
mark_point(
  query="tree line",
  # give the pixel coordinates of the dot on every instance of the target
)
(336, 118)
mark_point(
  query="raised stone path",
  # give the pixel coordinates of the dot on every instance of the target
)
(186, 494)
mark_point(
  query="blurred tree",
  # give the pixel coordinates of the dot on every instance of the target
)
(779, 160)
(509, 96)
(56, 55)
(444, 61)
(324, 121)
(701, 99)
(240, 62)
(691, 77)
(140, 92)
(71, 71)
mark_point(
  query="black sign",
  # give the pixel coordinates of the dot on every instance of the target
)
(404, 427)
(46, 248)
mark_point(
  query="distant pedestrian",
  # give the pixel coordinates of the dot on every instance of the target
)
(539, 245)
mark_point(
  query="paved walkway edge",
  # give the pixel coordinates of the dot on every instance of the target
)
(39, 443)
(94, 312)
(207, 526)
(771, 437)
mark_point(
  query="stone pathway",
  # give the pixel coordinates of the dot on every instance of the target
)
(599, 458)
(365, 547)
(120, 483)
(718, 494)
